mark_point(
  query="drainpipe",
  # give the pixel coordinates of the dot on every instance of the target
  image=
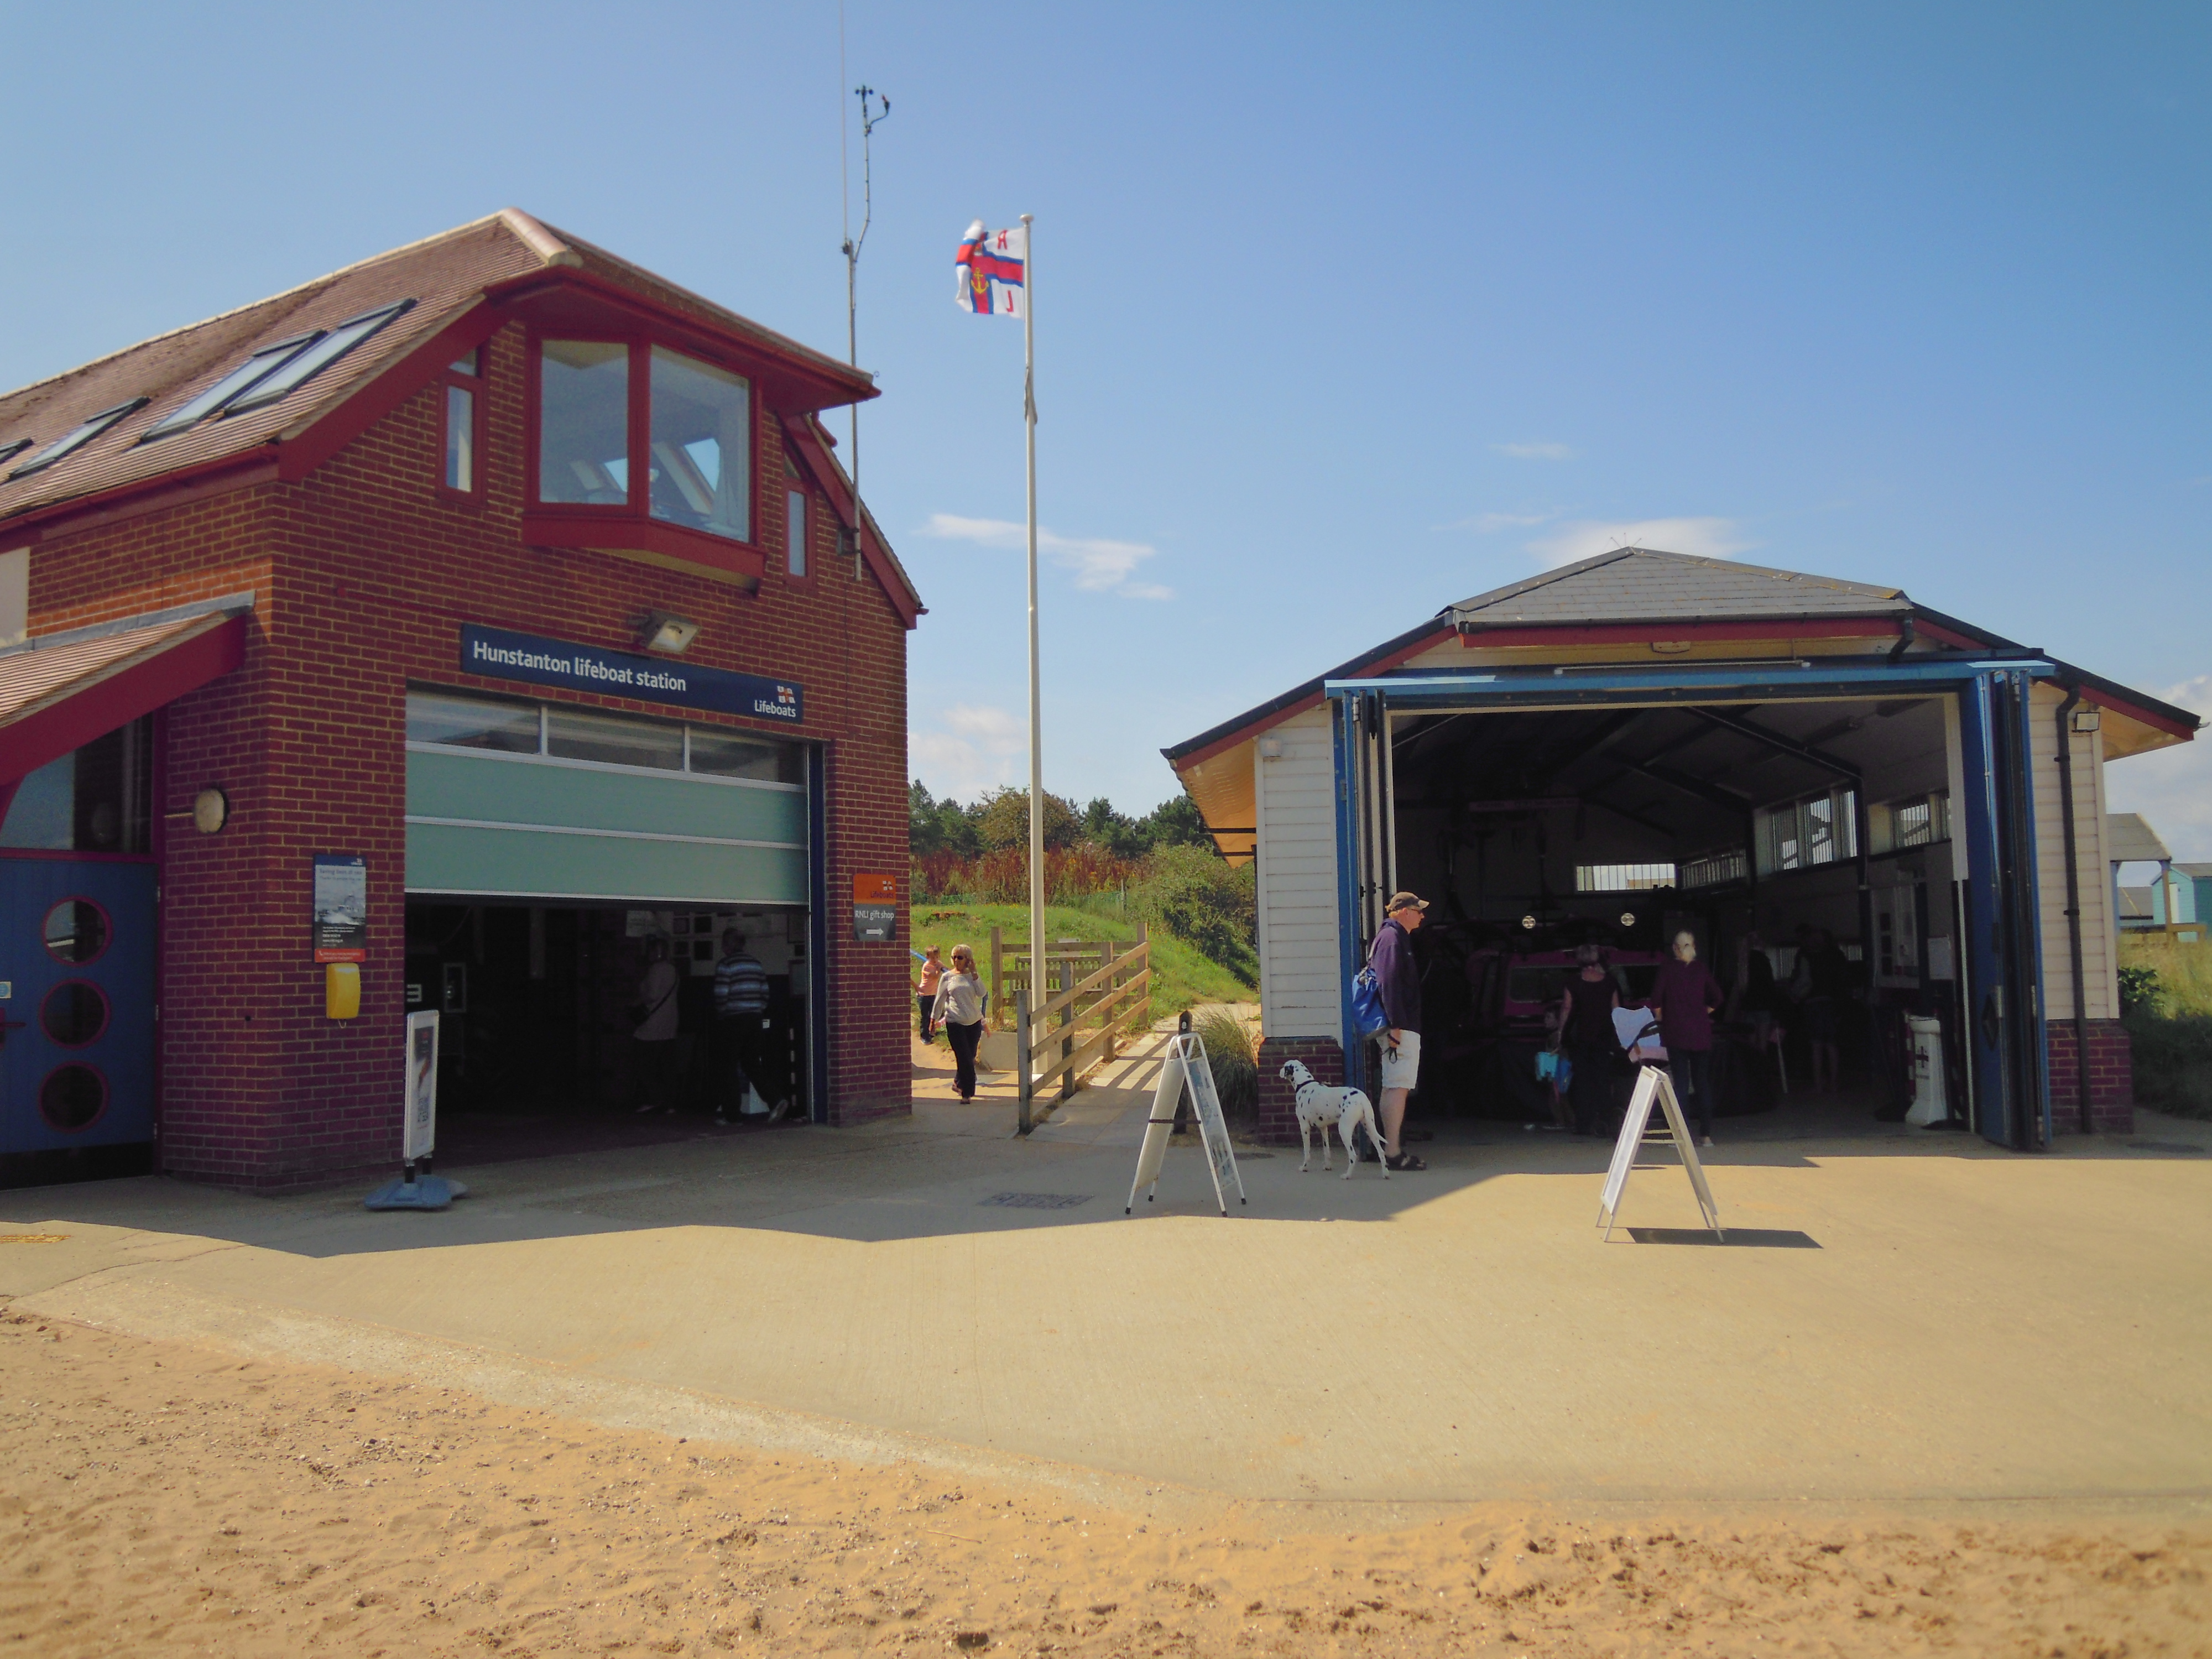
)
(1905, 636)
(2074, 907)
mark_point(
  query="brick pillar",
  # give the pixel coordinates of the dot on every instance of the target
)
(2112, 1077)
(1279, 1118)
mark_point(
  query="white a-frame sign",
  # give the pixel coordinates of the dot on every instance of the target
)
(1652, 1083)
(1186, 1062)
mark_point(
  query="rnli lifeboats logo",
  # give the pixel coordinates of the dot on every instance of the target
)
(783, 707)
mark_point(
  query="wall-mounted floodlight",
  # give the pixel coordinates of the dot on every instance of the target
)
(670, 635)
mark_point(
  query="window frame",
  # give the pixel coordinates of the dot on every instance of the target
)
(588, 524)
(477, 385)
(795, 482)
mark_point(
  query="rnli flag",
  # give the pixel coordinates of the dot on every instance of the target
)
(992, 266)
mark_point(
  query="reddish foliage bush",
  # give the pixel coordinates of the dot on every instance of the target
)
(1003, 877)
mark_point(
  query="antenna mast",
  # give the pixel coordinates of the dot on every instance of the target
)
(874, 106)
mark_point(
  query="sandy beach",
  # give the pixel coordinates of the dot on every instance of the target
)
(164, 1496)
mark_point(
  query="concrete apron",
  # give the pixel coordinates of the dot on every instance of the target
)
(1971, 1326)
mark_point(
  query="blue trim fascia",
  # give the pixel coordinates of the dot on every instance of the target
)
(818, 929)
(1347, 891)
(1797, 679)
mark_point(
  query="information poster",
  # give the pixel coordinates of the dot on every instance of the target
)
(875, 908)
(341, 923)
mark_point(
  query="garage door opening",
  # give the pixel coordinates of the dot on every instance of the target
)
(555, 856)
(1812, 846)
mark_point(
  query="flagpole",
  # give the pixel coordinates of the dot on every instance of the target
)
(1037, 707)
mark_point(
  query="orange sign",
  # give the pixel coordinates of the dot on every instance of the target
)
(875, 889)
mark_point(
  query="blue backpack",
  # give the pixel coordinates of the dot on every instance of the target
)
(1367, 1004)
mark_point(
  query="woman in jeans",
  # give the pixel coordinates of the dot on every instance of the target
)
(959, 1010)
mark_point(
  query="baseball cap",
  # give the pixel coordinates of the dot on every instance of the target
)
(1404, 901)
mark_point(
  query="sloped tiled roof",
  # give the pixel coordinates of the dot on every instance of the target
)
(1641, 584)
(445, 275)
(2129, 839)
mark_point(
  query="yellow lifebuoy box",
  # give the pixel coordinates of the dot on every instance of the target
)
(342, 989)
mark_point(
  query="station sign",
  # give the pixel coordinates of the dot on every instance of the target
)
(501, 655)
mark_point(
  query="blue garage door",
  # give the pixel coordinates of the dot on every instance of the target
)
(77, 1068)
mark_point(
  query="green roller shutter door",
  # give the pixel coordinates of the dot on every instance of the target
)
(482, 825)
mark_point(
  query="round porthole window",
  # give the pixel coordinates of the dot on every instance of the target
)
(72, 1098)
(74, 1013)
(77, 931)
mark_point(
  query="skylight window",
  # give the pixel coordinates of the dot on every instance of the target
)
(305, 365)
(78, 439)
(10, 452)
(218, 396)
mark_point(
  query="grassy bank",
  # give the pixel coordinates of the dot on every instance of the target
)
(1182, 977)
(2170, 1023)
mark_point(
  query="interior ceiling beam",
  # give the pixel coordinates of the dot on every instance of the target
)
(1712, 794)
(1638, 819)
(1612, 728)
(1779, 743)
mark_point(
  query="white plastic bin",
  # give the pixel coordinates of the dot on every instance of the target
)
(1929, 1102)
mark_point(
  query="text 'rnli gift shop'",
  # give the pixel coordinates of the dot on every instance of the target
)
(486, 629)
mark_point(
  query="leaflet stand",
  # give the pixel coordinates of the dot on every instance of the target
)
(419, 1190)
(1186, 1062)
(1652, 1083)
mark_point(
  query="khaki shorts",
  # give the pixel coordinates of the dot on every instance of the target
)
(1401, 1066)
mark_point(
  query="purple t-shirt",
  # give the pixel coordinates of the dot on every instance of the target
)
(1684, 991)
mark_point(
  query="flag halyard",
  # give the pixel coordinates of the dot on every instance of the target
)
(993, 268)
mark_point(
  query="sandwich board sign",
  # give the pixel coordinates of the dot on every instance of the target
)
(1186, 1063)
(419, 1138)
(1653, 1085)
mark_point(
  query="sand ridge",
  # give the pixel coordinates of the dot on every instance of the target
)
(163, 1497)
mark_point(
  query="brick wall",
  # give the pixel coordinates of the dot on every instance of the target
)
(364, 573)
(1279, 1118)
(2112, 1077)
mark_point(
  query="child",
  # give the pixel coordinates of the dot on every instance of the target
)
(925, 992)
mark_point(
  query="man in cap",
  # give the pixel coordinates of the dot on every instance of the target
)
(1399, 980)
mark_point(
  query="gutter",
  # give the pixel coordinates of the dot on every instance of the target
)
(2087, 1118)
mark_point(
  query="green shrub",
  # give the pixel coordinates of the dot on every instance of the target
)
(2173, 1061)
(2139, 990)
(1193, 895)
(1236, 1069)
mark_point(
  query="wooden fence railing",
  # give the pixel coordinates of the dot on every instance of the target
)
(1095, 995)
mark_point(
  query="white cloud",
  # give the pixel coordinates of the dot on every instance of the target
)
(1536, 451)
(1100, 566)
(981, 748)
(2172, 787)
(1585, 538)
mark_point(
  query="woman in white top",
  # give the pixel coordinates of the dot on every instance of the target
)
(959, 1010)
(655, 1035)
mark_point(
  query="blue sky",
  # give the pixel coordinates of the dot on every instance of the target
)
(1343, 313)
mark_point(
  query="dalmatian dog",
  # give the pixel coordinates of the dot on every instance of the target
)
(1319, 1106)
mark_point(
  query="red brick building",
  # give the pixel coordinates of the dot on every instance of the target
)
(505, 574)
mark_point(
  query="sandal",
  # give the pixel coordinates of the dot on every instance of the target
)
(1405, 1161)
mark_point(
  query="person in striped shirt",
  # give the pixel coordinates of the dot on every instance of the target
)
(741, 1024)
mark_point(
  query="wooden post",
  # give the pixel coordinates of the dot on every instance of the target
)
(1067, 977)
(1022, 1060)
(1109, 996)
(997, 999)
